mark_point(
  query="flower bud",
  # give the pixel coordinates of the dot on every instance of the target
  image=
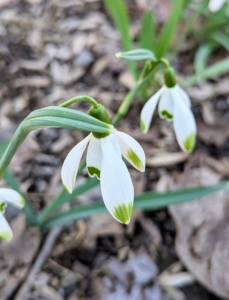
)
(169, 77)
(99, 112)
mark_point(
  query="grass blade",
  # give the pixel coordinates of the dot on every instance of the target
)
(118, 12)
(150, 200)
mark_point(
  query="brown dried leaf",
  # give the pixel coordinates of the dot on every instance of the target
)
(202, 240)
(216, 134)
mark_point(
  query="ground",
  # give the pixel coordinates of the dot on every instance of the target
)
(51, 51)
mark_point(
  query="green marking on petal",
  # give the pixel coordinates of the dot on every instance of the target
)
(190, 142)
(134, 159)
(22, 201)
(3, 206)
(166, 115)
(123, 212)
(66, 189)
(94, 172)
(5, 235)
(142, 125)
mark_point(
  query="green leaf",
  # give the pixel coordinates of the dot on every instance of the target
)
(150, 200)
(201, 58)
(58, 117)
(147, 32)
(222, 39)
(210, 72)
(118, 12)
(65, 197)
(12, 181)
(137, 54)
(169, 30)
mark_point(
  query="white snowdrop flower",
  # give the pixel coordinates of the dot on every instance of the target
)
(174, 105)
(215, 5)
(104, 160)
(12, 197)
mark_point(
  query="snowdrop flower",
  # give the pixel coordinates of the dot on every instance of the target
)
(12, 197)
(215, 5)
(174, 105)
(104, 160)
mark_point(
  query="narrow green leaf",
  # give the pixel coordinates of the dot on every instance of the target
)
(118, 12)
(65, 197)
(80, 119)
(137, 54)
(222, 39)
(169, 30)
(147, 32)
(150, 200)
(210, 72)
(201, 58)
(11, 180)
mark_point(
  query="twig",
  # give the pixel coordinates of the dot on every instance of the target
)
(45, 251)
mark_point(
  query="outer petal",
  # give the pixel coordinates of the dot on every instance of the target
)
(5, 230)
(71, 164)
(183, 95)
(116, 185)
(184, 125)
(215, 5)
(165, 107)
(94, 157)
(131, 150)
(148, 110)
(12, 197)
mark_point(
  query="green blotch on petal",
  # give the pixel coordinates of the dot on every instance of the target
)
(142, 125)
(5, 235)
(190, 142)
(166, 115)
(134, 159)
(22, 201)
(123, 212)
(94, 172)
(66, 189)
(3, 207)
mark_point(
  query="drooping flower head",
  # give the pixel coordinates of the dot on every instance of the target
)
(174, 105)
(12, 197)
(104, 160)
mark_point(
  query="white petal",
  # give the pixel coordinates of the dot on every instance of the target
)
(12, 197)
(94, 156)
(5, 230)
(165, 107)
(131, 150)
(71, 164)
(116, 185)
(215, 5)
(148, 111)
(183, 95)
(184, 125)
(115, 144)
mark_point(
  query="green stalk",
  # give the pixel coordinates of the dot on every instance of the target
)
(78, 99)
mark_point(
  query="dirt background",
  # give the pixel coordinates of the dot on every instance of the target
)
(51, 51)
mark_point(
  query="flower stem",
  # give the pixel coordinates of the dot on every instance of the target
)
(78, 99)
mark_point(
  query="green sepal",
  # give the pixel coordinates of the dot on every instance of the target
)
(169, 77)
